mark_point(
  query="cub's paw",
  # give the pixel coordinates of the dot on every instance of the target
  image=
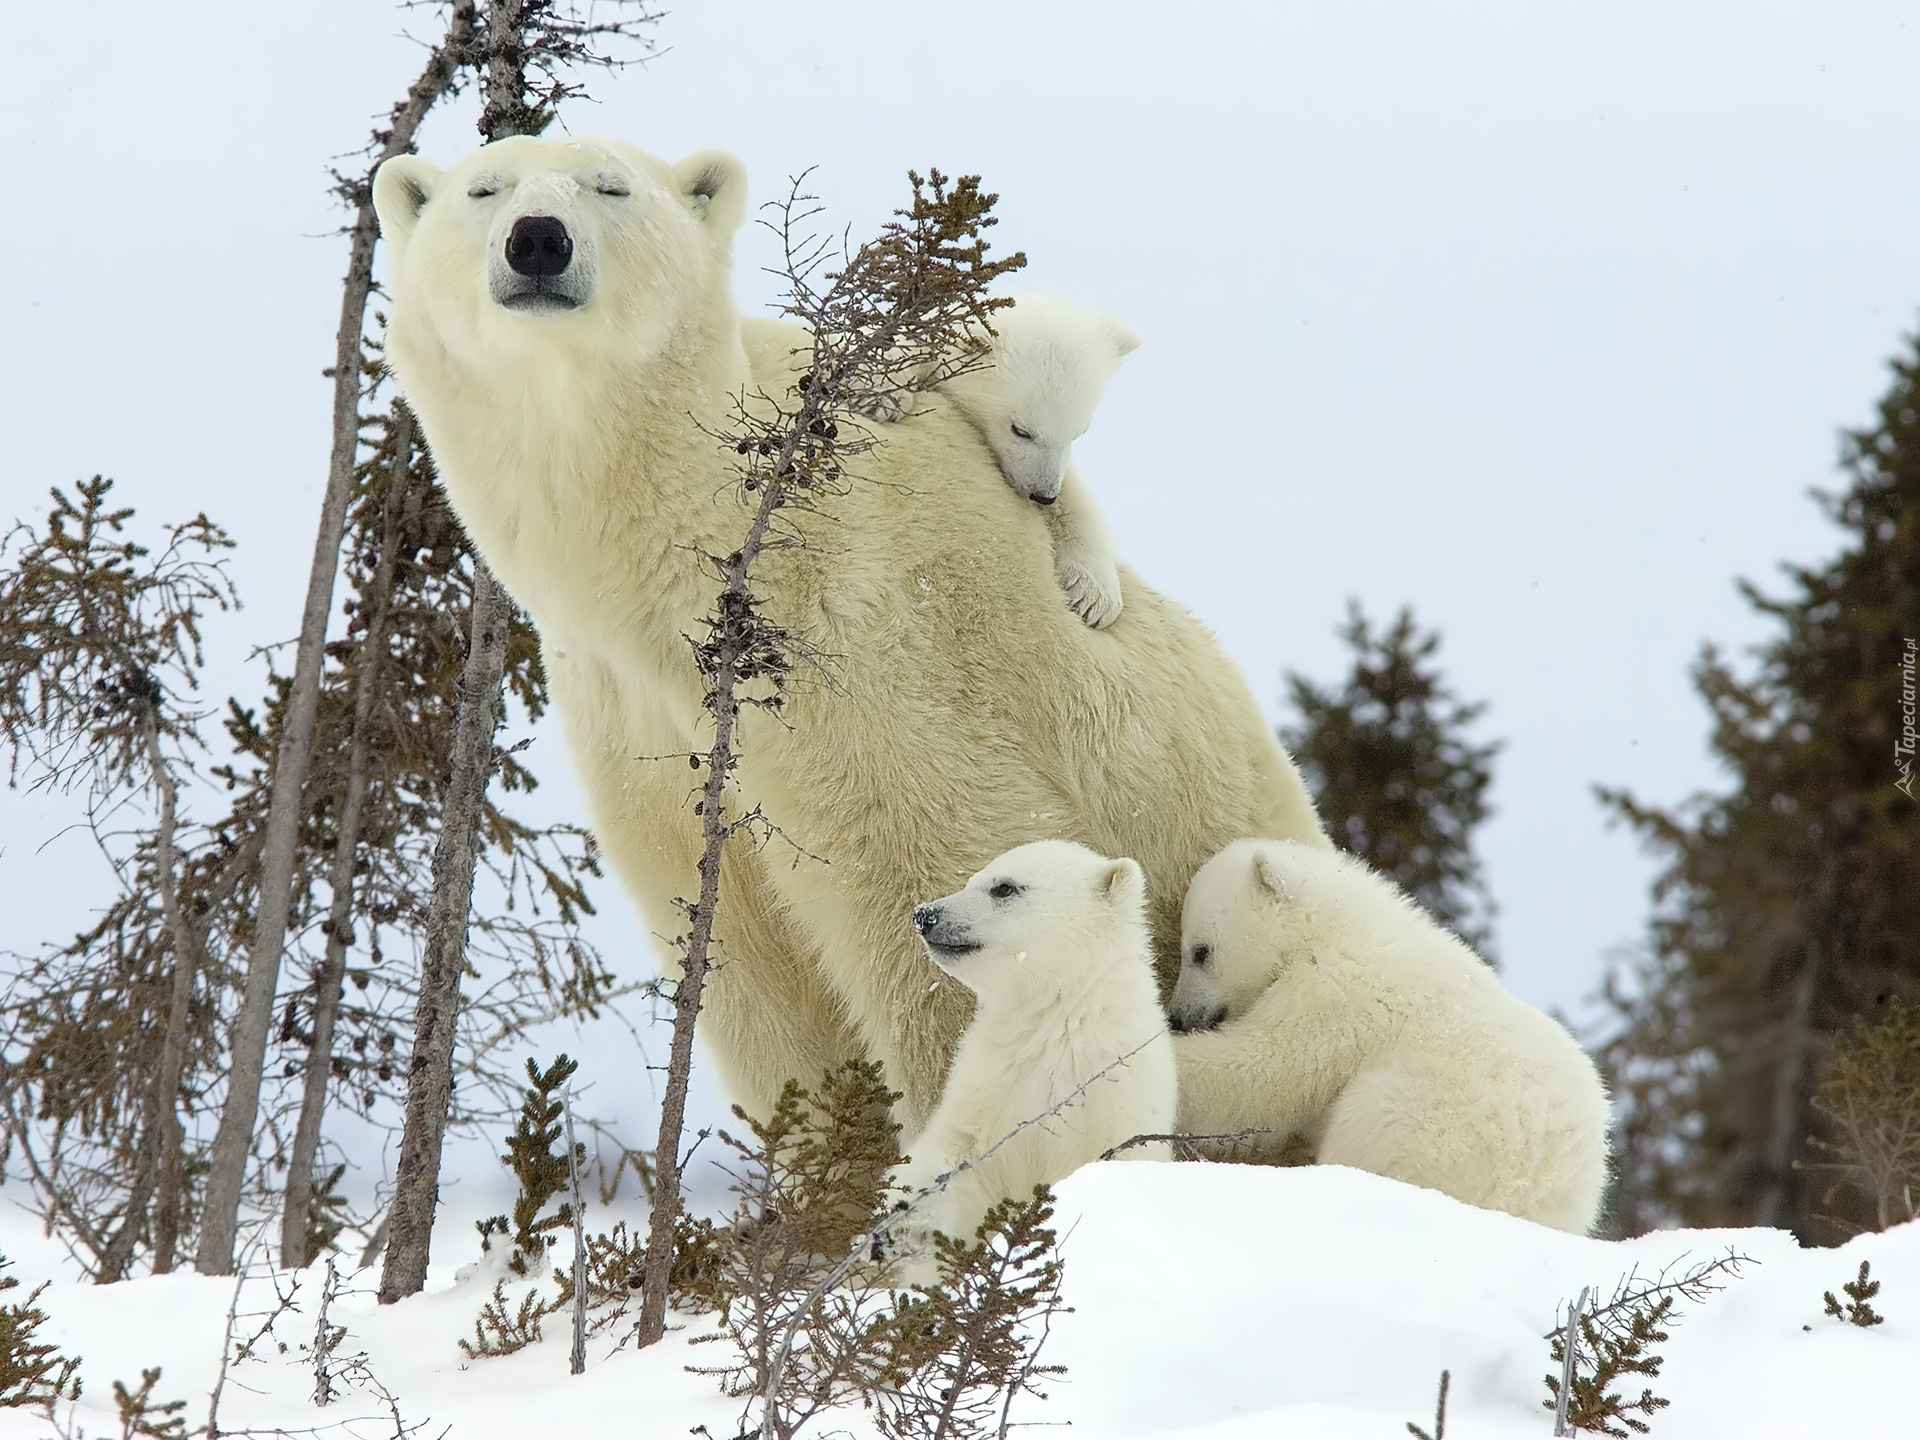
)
(1093, 590)
(890, 1243)
(906, 1252)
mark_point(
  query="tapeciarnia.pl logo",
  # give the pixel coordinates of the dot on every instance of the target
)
(1903, 747)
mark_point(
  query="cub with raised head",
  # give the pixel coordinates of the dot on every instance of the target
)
(1317, 1001)
(1068, 1054)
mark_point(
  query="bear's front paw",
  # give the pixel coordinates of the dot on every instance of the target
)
(1093, 591)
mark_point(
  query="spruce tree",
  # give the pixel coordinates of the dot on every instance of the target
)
(1394, 775)
(101, 1041)
(1790, 902)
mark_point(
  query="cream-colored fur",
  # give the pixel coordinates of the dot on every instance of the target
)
(1046, 365)
(1317, 1001)
(1052, 940)
(963, 708)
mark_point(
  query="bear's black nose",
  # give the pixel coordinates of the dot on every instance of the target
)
(539, 245)
(925, 917)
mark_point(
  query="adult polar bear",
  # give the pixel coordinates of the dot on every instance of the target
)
(563, 325)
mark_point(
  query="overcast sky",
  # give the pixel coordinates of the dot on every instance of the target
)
(1542, 319)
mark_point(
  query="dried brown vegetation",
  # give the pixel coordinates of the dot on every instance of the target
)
(1869, 1102)
(813, 1325)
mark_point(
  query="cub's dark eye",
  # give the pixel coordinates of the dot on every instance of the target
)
(611, 185)
(1020, 433)
(481, 189)
(1202, 954)
(1004, 890)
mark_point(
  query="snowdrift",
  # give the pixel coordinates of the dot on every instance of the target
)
(1211, 1301)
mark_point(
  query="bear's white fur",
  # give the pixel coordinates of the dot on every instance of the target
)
(1052, 940)
(572, 418)
(1316, 1000)
(1033, 394)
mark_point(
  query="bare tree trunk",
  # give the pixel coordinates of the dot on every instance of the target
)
(161, 1159)
(505, 92)
(115, 1258)
(1787, 1112)
(295, 1211)
(416, 1178)
(430, 1072)
(736, 635)
(576, 1362)
(227, 1161)
(168, 1136)
(658, 1267)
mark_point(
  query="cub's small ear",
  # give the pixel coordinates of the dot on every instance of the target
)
(401, 188)
(1123, 340)
(1124, 882)
(1266, 875)
(714, 185)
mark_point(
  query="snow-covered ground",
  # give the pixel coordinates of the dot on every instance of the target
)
(1210, 1301)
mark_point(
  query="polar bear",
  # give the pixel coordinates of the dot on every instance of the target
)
(1031, 394)
(562, 324)
(1052, 941)
(1316, 1000)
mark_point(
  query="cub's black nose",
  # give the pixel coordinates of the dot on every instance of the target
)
(539, 245)
(925, 917)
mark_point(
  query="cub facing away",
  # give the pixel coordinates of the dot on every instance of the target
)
(1317, 1001)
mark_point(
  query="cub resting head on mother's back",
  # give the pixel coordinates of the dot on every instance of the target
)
(1030, 388)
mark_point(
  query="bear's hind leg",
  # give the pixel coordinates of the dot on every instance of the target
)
(1408, 1121)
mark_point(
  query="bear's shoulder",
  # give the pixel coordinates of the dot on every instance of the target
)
(777, 349)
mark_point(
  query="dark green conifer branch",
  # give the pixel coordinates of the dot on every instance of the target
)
(1859, 1308)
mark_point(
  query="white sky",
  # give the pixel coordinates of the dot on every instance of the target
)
(1542, 318)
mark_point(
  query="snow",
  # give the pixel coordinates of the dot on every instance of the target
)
(1229, 1301)
(1211, 1302)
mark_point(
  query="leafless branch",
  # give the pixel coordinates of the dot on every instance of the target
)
(1184, 1144)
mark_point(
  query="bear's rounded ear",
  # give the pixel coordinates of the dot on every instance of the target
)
(1124, 882)
(1123, 340)
(714, 185)
(401, 188)
(1266, 876)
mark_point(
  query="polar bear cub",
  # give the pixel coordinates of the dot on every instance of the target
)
(1314, 999)
(1048, 363)
(1052, 940)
